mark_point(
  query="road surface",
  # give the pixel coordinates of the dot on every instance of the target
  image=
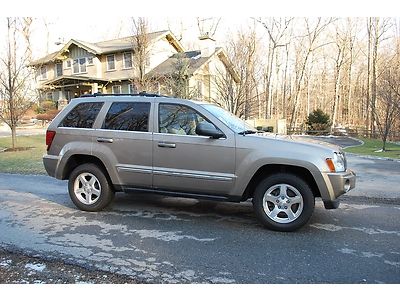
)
(174, 240)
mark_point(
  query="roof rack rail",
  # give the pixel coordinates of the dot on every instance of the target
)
(135, 94)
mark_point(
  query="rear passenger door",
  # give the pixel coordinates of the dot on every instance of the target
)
(125, 138)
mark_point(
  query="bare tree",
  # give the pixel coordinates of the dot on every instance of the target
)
(277, 29)
(310, 39)
(141, 53)
(387, 110)
(339, 61)
(15, 78)
(239, 97)
(177, 82)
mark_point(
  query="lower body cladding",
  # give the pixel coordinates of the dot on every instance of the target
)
(337, 185)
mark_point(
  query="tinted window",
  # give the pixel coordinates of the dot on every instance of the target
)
(129, 116)
(178, 119)
(82, 116)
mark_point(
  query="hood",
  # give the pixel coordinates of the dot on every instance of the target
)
(299, 140)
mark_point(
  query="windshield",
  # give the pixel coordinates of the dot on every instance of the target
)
(229, 119)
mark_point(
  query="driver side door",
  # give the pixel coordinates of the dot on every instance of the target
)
(186, 162)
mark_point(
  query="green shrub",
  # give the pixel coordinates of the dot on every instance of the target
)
(318, 122)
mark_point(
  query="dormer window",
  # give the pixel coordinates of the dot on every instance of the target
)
(79, 65)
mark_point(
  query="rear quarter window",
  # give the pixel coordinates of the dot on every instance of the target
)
(82, 116)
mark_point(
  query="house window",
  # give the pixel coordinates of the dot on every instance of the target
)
(132, 89)
(110, 62)
(127, 60)
(68, 64)
(90, 60)
(43, 72)
(82, 65)
(59, 69)
(199, 89)
(116, 89)
(79, 65)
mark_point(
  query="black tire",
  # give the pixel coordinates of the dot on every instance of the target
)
(293, 183)
(106, 194)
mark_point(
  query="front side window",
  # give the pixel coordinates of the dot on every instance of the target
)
(178, 119)
(128, 116)
(110, 62)
(127, 60)
(82, 116)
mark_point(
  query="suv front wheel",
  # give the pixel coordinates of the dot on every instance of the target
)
(283, 202)
(89, 188)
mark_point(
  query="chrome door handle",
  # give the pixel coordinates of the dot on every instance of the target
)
(166, 145)
(104, 140)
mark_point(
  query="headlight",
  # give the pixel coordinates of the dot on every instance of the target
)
(337, 163)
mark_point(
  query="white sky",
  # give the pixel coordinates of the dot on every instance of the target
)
(94, 21)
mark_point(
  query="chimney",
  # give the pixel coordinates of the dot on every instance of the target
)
(207, 45)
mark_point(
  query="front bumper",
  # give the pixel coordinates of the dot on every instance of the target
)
(338, 184)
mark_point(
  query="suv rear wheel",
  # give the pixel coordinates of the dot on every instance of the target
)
(89, 188)
(283, 202)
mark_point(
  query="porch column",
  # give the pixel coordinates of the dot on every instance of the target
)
(95, 88)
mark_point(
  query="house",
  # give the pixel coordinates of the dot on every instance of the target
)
(201, 70)
(107, 66)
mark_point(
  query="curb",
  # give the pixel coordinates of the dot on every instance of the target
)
(373, 157)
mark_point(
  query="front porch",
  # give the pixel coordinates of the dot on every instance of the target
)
(64, 88)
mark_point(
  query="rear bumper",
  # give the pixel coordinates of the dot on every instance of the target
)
(338, 184)
(50, 163)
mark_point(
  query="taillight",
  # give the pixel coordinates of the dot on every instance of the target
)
(49, 138)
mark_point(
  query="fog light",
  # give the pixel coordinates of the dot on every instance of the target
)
(347, 186)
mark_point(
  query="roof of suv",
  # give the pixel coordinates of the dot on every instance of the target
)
(111, 97)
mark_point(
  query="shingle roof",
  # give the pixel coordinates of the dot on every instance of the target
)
(103, 47)
(47, 58)
(192, 59)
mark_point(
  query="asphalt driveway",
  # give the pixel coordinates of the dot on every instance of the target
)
(173, 240)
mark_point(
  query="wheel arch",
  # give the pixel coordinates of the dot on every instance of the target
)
(270, 169)
(79, 159)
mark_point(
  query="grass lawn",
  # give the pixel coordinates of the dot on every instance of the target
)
(372, 145)
(24, 162)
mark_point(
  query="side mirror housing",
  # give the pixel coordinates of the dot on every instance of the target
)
(208, 129)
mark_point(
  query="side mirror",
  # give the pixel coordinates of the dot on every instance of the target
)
(208, 129)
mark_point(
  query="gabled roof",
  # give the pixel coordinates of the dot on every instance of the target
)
(194, 62)
(110, 46)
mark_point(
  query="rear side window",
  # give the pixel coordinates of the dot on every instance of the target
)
(82, 116)
(128, 116)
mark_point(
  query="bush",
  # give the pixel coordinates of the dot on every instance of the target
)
(318, 122)
(45, 106)
(47, 116)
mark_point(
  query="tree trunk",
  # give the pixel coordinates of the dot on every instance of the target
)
(14, 136)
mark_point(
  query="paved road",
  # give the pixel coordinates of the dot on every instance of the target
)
(6, 131)
(169, 240)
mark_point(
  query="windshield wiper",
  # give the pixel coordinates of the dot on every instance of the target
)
(248, 132)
